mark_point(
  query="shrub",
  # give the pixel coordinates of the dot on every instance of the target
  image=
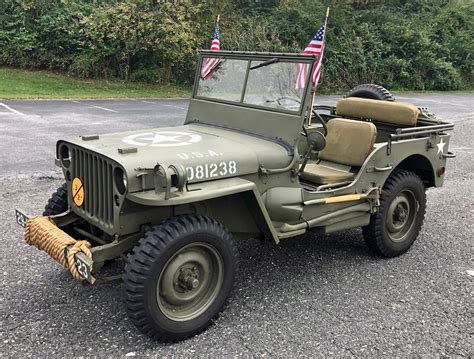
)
(400, 44)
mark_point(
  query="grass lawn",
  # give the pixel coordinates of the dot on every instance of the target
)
(24, 84)
(21, 84)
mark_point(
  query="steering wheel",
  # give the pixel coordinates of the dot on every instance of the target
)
(321, 120)
(279, 99)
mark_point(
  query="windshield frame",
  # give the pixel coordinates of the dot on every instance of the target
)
(252, 57)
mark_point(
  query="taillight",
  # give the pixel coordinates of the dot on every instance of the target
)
(441, 171)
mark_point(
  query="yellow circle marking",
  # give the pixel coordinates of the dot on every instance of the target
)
(77, 191)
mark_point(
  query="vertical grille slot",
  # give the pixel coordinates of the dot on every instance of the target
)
(94, 183)
(109, 192)
(89, 181)
(95, 172)
(101, 188)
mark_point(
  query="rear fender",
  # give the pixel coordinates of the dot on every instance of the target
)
(419, 155)
(420, 165)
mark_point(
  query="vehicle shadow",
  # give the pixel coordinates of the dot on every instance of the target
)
(305, 256)
(267, 272)
(346, 245)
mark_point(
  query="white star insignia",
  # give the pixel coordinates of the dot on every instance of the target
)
(160, 138)
(440, 146)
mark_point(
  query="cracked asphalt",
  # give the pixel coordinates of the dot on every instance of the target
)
(309, 296)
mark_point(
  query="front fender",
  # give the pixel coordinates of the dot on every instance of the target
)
(193, 192)
(204, 191)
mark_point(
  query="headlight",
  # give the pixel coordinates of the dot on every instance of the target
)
(125, 180)
(120, 179)
(65, 156)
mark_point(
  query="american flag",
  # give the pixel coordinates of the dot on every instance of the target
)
(315, 47)
(209, 63)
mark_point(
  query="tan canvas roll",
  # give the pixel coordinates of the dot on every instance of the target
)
(385, 111)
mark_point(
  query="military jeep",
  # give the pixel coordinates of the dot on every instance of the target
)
(255, 158)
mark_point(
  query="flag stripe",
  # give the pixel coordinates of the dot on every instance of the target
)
(209, 63)
(315, 47)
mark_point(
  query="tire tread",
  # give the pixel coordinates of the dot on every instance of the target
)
(373, 233)
(378, 91)
(140, 262)
(57, 203)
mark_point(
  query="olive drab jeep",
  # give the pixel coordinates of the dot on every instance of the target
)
(255, 157)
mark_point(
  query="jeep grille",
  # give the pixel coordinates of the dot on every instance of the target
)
(95, 172)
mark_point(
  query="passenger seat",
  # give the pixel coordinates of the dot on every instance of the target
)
(348, 144)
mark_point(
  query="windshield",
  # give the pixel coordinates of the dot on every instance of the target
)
(274, 83)
(223, 79)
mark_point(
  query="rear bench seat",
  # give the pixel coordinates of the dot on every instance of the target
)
(399, 113)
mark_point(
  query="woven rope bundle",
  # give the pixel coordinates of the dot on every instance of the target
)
(42, 233)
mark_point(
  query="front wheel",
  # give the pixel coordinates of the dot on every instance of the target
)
(57, 203)
(179, 277)
(394, 228)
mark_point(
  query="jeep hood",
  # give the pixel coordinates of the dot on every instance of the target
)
(207, 152)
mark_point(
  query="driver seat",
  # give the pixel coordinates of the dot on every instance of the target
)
(348, 144)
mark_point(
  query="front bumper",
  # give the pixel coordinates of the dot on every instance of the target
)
(74, 255)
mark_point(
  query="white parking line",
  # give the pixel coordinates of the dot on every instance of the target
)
(181, 108)
(99, 107)
(461, 149)
(105, 109)
(11, 109)
(436, 101)
(163, 104)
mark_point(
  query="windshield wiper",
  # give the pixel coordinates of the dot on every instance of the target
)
(266, 63)
(218, 64)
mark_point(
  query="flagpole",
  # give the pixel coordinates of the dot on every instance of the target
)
(324, 43)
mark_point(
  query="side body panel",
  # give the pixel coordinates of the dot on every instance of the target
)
(378, 167)
(281, 201)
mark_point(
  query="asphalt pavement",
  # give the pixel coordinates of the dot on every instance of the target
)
(308, 296)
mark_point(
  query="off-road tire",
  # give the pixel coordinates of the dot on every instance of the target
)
(57, 203)
(152, 257)
(377, 234)
(371, 91)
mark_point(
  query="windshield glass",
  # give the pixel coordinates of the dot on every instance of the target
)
(272, 83)
(222, 79)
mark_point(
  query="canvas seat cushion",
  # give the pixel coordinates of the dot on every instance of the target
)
(399, 113)
(348, 142)
(320, 174)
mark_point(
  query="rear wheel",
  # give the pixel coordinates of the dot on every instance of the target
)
(394, 228)
(179, 277)
(57, 203)
(371, 91)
